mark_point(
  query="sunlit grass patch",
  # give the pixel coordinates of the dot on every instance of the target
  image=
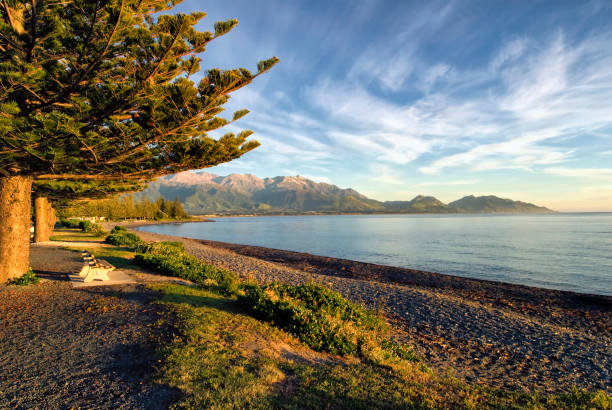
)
(74, 235)
(206, 361)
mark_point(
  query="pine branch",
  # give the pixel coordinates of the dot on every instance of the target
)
(90, 67)
(33, 28)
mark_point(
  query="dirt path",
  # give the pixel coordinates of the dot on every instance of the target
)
(496, 334)
(67, 348)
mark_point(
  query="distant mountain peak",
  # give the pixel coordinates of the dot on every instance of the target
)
(494, 204)
(206, 193)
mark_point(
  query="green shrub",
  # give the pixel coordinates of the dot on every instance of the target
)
(70, 223)
(87, 226)
(171, 258)
(118, 229)
(319, 317)
(28, 278)
(120, 237)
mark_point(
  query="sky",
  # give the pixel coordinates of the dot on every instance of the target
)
(443, 98)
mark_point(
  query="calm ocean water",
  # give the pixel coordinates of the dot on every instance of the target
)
(557, 251)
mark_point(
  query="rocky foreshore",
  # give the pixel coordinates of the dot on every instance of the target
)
(497, 334)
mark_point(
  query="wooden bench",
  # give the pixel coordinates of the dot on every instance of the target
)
(93, 269)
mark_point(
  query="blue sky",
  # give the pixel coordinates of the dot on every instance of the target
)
(445, 98)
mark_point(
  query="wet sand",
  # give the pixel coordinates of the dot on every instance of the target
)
(492, 333)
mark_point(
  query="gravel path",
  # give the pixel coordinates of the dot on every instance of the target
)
(496, 334)
(67, 348)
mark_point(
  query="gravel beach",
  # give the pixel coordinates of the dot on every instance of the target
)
(490, 333)
(65, 348)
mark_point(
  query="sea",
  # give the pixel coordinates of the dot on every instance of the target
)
(564, 251)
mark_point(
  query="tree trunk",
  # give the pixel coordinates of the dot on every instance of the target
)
(51, 220)
(44, 219)
(15, 200)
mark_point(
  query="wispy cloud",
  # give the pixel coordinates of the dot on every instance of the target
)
(590, 173)
(518, 153)
(315, 178)
(546, 96)
(386, 175)
(512, 50)
(447, 183)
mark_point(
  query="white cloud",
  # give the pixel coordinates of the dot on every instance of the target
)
(447, 183)
(590, 173)
(600, 189)
(386, 147)
(518, 153)
(385, 175)
(315, 178)
(535, 83)
(508, 53)
(432, 76)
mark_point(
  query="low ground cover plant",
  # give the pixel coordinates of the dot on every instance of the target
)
(85, 226)
(119, 236)
(318, 316)
(90, 227)
(70, 223)
(171, 258)
(28, 278)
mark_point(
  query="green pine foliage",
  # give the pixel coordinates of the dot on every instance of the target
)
(64, 190)
(104, 90)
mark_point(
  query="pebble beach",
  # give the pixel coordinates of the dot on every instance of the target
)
(489, 333)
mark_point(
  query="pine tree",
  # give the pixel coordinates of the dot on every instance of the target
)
(96, 90)
(177, 208)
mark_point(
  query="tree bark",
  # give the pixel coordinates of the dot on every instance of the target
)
(51, 220)
(44, 219)
(15, 200)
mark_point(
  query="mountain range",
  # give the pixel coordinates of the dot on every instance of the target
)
(205, 193)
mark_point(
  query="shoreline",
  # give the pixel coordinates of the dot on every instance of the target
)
(252, 215)
(383, 273)
(108, 225)
(494, 333)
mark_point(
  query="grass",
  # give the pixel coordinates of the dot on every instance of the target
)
(224, 358)
(74, 235)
